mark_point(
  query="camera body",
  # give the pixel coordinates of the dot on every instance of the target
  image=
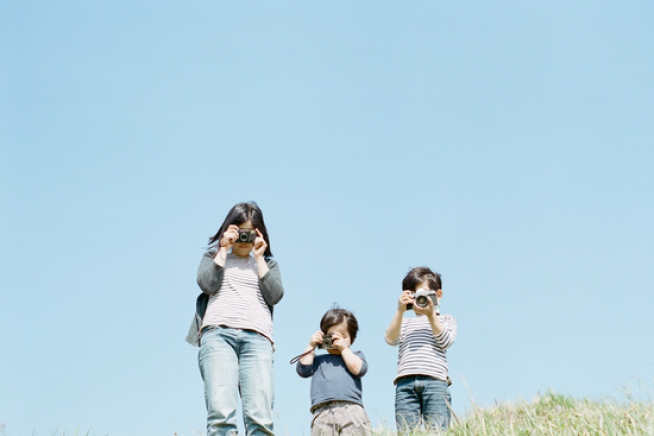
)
(246, 236)
(327, 342)
(421, 298)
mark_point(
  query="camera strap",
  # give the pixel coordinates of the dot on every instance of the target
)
(299, 356)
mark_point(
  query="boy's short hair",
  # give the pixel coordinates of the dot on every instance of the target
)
(336, 315)
(419, 275)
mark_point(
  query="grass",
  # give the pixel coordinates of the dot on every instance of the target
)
(553, 414)
(547, 414)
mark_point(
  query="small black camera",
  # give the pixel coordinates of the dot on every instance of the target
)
(327, 342)
(246, 236)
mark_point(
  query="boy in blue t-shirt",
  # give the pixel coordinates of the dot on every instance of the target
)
(336, 391)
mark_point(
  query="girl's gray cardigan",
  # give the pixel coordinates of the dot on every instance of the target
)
(210, 279)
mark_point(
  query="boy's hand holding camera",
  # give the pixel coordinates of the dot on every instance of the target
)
(406, 298)
(316, 339)
(334, 343)
(339, 342)
(427, 310)
(407, 301)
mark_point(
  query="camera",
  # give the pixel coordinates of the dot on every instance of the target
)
(246, 236)
(327, 342)
(421, 298)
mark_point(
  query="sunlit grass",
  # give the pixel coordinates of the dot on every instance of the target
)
(554, 414)
(546, 414)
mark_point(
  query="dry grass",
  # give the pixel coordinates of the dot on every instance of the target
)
(556, 415)
(548, 414)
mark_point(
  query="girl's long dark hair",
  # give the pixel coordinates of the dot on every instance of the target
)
(239, 214)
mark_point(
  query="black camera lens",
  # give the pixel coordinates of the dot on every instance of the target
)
(327, 342)
(246, 236)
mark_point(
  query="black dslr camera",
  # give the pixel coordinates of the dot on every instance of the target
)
(327, 342)
(421, 298)
(246, 236)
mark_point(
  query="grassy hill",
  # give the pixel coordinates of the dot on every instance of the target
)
(548, 414)
(555, 414)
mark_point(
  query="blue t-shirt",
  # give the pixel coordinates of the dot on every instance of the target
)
(332, 380)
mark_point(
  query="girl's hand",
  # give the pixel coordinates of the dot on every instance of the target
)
(339, 342)
(316, 339)
(405, 298)
(229, 237)
(259, 247)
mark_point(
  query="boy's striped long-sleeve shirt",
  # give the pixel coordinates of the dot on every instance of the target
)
(420, 351)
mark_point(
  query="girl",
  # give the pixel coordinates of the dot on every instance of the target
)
(240, 284)
(336, 384)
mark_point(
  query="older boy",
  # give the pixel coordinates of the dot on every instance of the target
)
(422, 395)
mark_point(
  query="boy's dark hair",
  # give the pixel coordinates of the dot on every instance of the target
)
(419, 275)
(336, 315)
(239, 214)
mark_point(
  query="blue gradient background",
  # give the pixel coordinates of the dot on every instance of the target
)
(508, 145)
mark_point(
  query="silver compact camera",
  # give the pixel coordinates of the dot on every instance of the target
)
(421, 298)
(327, 342)
(246, 236)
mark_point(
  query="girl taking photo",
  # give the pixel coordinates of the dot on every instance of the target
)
(233, 324)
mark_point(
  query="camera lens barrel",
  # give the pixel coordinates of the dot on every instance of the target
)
(327, 342)
(246, 236)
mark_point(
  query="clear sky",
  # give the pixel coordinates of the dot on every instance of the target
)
(508, 145)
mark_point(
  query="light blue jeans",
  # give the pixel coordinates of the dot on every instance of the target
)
(234, 361)
(421, 400)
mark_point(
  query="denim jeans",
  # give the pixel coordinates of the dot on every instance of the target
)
(421, 397)
(234, 361)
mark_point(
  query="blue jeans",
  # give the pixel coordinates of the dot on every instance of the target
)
(233, 362)
(421, 397)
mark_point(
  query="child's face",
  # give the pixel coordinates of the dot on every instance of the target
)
(340, 331)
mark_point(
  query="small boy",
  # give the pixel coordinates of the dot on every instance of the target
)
(336, 391)
(422, 396)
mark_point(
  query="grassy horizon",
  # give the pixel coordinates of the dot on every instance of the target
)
(546, 414)
(553, 414)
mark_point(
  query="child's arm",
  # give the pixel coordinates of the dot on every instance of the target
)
(352, 361)
(434, 320)
(394, 329)
(307, 359)
(446, 338)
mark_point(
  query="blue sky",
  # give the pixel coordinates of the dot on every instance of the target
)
(508, 145)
